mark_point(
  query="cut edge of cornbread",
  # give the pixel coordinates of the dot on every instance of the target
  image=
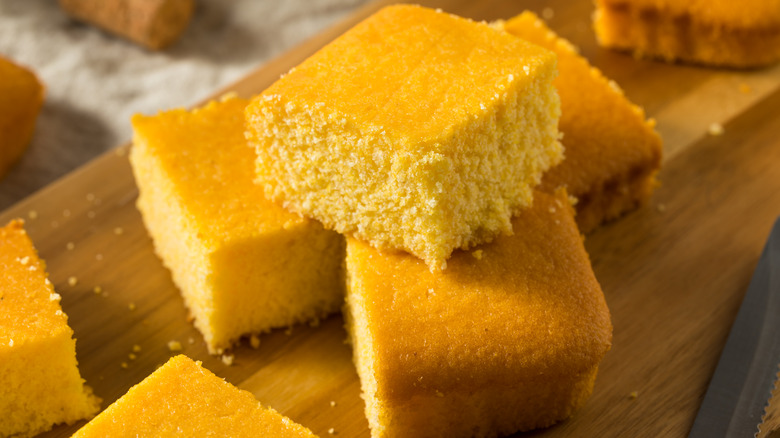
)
(654, 33)
(427, 197)
(40, 383)
(185, 375)
(216, 273)
(619, 187)
(433, 407)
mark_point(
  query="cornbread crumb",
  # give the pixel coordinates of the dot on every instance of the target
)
(131, 356)
(174, 345)
(332, 431)
(715, 129)
(548, 13)
(227, 359)
(90, 197)
(191, 340)
(91, 214)
(123, 365)
(254, 341)
(97, 290)
(401, 161)
(69, 246)
(32, 214)
(333, 403)
(118, 231)
(98, 257)
(633, 395)
(136, 348)
(196, 403)
(661, 208)
(66, 213)
(54, 297)
(24, 260)
(131, 306)
(72, 281)
(477, 254)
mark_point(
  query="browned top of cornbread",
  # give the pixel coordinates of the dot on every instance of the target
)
(606, 136)
(750, 14)
(183, 399)
(523, 306)
(393, 94)
(29, 307)
(215, 183)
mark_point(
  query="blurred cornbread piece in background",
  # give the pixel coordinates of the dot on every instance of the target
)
(40, 384)
(713, 32)
(243, 264)
(508, 338)
(21, 97)
(154, 24)
(416, 130)
(182, 398)
(612, 152)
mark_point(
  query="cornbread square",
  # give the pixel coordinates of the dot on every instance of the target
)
(415, 130)
(243, 264)
(612, 152)
(184, 399)
(508, 338)
(726, 33)
(21, 97)
(40, 384)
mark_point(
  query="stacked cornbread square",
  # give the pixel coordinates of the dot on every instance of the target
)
(716, 32)
(612, 152)
(21, 97)
(508, 338)
(183, 399)
(40, 384)
(415, 130)
(243, 264)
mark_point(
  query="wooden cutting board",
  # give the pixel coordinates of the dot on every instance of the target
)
(674, 272)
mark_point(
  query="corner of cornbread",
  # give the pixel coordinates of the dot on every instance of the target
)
(502, 342)
(243, 264)
(40, 384)
(612, 152)
(415, 130)
(182, 398)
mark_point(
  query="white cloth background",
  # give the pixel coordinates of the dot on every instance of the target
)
(95, 82)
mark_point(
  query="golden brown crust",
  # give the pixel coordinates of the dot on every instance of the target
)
(612, 153)
(21, 98)
(719, 33)
(508, 338)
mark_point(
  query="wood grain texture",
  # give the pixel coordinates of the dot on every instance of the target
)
(673, 273)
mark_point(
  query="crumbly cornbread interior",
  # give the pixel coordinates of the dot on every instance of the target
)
(40, 384)
(243, 264)
(415, 130)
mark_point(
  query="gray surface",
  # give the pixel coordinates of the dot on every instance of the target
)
(95, 81)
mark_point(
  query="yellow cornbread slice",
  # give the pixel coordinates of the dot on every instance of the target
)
(40, 385)
(21, 97)
(416, 130)
(184, 399)
(714, 32)
(507, 338)
(612, 152)
(243, 264)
